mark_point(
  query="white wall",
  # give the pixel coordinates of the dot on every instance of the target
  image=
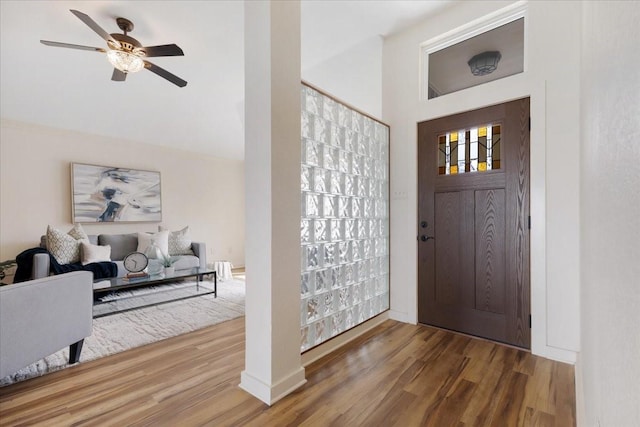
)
(609, 366)
(354, 76)
(551, 80)
(201, 191)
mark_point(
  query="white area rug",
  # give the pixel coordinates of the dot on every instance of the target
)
(123, 331)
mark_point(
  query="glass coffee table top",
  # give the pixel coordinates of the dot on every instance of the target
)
(116, 295)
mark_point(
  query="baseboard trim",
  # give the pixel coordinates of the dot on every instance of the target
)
(332, 345)
(270, 394)
(557, 354)
(400, 316)
(581, 414)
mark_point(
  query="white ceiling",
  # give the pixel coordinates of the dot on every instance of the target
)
(72, 89)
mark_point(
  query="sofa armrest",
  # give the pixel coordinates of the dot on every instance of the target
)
(200, 250)
(41, 266)
(40, 317)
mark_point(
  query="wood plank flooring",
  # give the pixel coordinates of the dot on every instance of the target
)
(395, 375)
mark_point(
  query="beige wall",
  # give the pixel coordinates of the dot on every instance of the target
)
(204, 192)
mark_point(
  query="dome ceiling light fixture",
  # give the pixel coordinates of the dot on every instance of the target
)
(484, 63)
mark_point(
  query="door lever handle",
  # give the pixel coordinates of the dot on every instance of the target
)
(425, 238)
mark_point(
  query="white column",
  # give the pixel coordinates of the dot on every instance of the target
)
(273, 366)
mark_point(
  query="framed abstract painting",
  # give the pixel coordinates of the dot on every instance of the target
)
(113, 194)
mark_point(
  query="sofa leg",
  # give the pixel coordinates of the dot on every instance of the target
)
(74, 352)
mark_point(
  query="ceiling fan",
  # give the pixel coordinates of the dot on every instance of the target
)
(125, 53)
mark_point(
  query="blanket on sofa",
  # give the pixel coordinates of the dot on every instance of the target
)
(100, 270)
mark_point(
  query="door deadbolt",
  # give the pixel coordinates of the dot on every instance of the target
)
(424, 224)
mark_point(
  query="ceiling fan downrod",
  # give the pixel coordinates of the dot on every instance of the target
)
(125, 25)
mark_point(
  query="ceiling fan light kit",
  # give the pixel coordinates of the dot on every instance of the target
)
(125, 53)
(125, 61)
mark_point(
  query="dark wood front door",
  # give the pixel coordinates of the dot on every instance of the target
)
(473, 223)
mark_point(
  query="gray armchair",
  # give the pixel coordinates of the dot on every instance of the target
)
(42, 316)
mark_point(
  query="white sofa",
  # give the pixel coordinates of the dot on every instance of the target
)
(40, 317)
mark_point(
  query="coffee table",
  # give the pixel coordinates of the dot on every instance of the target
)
(152, 293)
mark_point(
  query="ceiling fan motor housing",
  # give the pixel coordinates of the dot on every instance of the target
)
(128, 44)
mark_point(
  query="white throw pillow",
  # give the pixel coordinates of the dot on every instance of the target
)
(179, 241)
(94, 253)
(160, 239)
(65, 248)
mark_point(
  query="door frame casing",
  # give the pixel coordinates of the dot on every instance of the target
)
(511, 88)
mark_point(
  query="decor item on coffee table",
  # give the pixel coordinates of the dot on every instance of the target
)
(152, 243)
(135, 262)
(167, 262)
(115, 194)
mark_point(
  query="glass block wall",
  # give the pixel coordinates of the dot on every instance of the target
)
(345, 218)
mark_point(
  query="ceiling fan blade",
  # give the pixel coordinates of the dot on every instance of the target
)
(165, 74)
(95, 27)
(163, 50)
(72, 46)
(118, 76)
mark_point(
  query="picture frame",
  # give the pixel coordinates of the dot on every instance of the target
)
(111, 194)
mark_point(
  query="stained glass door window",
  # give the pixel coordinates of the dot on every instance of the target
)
(469, 150)
(344, 229)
